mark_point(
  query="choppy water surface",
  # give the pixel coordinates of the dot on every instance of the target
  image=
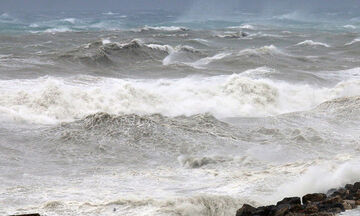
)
(156, 114)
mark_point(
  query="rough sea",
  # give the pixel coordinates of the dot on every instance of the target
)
(157, 113)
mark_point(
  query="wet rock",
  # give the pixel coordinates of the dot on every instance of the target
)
(263, 210)
(323, 214)
(315, 197)
(310, 209)
(290, 201)
(297, 208)
(34, 214)
(280, 210)
(349, 204)
(246, 210)
(331, 191)
(244, 34)
(342, 192)
(295, 214)
(335, 210)
(349, 187)
(333, 200)
(357, 186)
(316, 204)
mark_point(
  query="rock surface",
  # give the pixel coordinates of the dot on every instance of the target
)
(316, 204)
(35, 214)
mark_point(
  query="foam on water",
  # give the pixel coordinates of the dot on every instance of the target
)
(114, 115)
(353, 42)
(60, 99)
(265, 50)
(312, 43)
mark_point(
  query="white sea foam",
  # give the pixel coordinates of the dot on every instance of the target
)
(166, 48)
(59, 29)
(70, 20)
(34, 25)
(349, 26)
(60, 99)
(244, 26)
(205, 61)
(312, 43)
(164, 28)
(105, 41)
(179, 54)
(265, 50)
(353, 42)
(321, 178)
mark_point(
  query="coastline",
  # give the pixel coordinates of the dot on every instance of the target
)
(334, 202)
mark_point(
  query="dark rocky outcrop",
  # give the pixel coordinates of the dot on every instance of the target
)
(35, 214)
(246, 210)
(315, 197)
(316, 204)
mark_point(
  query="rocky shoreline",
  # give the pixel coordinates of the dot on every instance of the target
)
(332, 203)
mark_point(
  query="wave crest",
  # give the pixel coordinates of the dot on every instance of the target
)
(312, 43)
(59, 99)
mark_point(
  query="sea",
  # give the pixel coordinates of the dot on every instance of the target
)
(169, 114)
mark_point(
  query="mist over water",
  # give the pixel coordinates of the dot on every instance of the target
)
(188, 108)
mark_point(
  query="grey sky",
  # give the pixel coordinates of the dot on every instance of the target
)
(176, 5)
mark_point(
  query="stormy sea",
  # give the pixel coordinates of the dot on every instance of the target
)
(161, 113)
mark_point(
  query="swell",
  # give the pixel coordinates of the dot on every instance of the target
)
(106, 53)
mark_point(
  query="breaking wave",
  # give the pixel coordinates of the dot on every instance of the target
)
(265, 50)
(312, 43)
(164, 28)
(353, 42)
(105, 53)
(66, 99)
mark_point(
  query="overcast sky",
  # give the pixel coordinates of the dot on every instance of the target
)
(175, 5)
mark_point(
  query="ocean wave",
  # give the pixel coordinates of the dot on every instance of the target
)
(182, 54)
(60, 99)
(107, 53)
(333, 176)
(238, 34)
(265, 50)
(201, 205)
(312, 43)
(70, 20)
(244, 26)
(197, 162)
(344, 108)
(207, 60)
(353, 42)
(349, 26)
(56, 30)
(164, 28)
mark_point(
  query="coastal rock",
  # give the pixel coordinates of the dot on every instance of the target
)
(290, 201)
(349, 204)
(310, 209)
(280, 210)
(297, 208)
(35, 214)
(342, 192)
(263, 210)
(315, 197)
(357, 185)
(315, 204)
(246, 210)
(295, 214)
(323, 214)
